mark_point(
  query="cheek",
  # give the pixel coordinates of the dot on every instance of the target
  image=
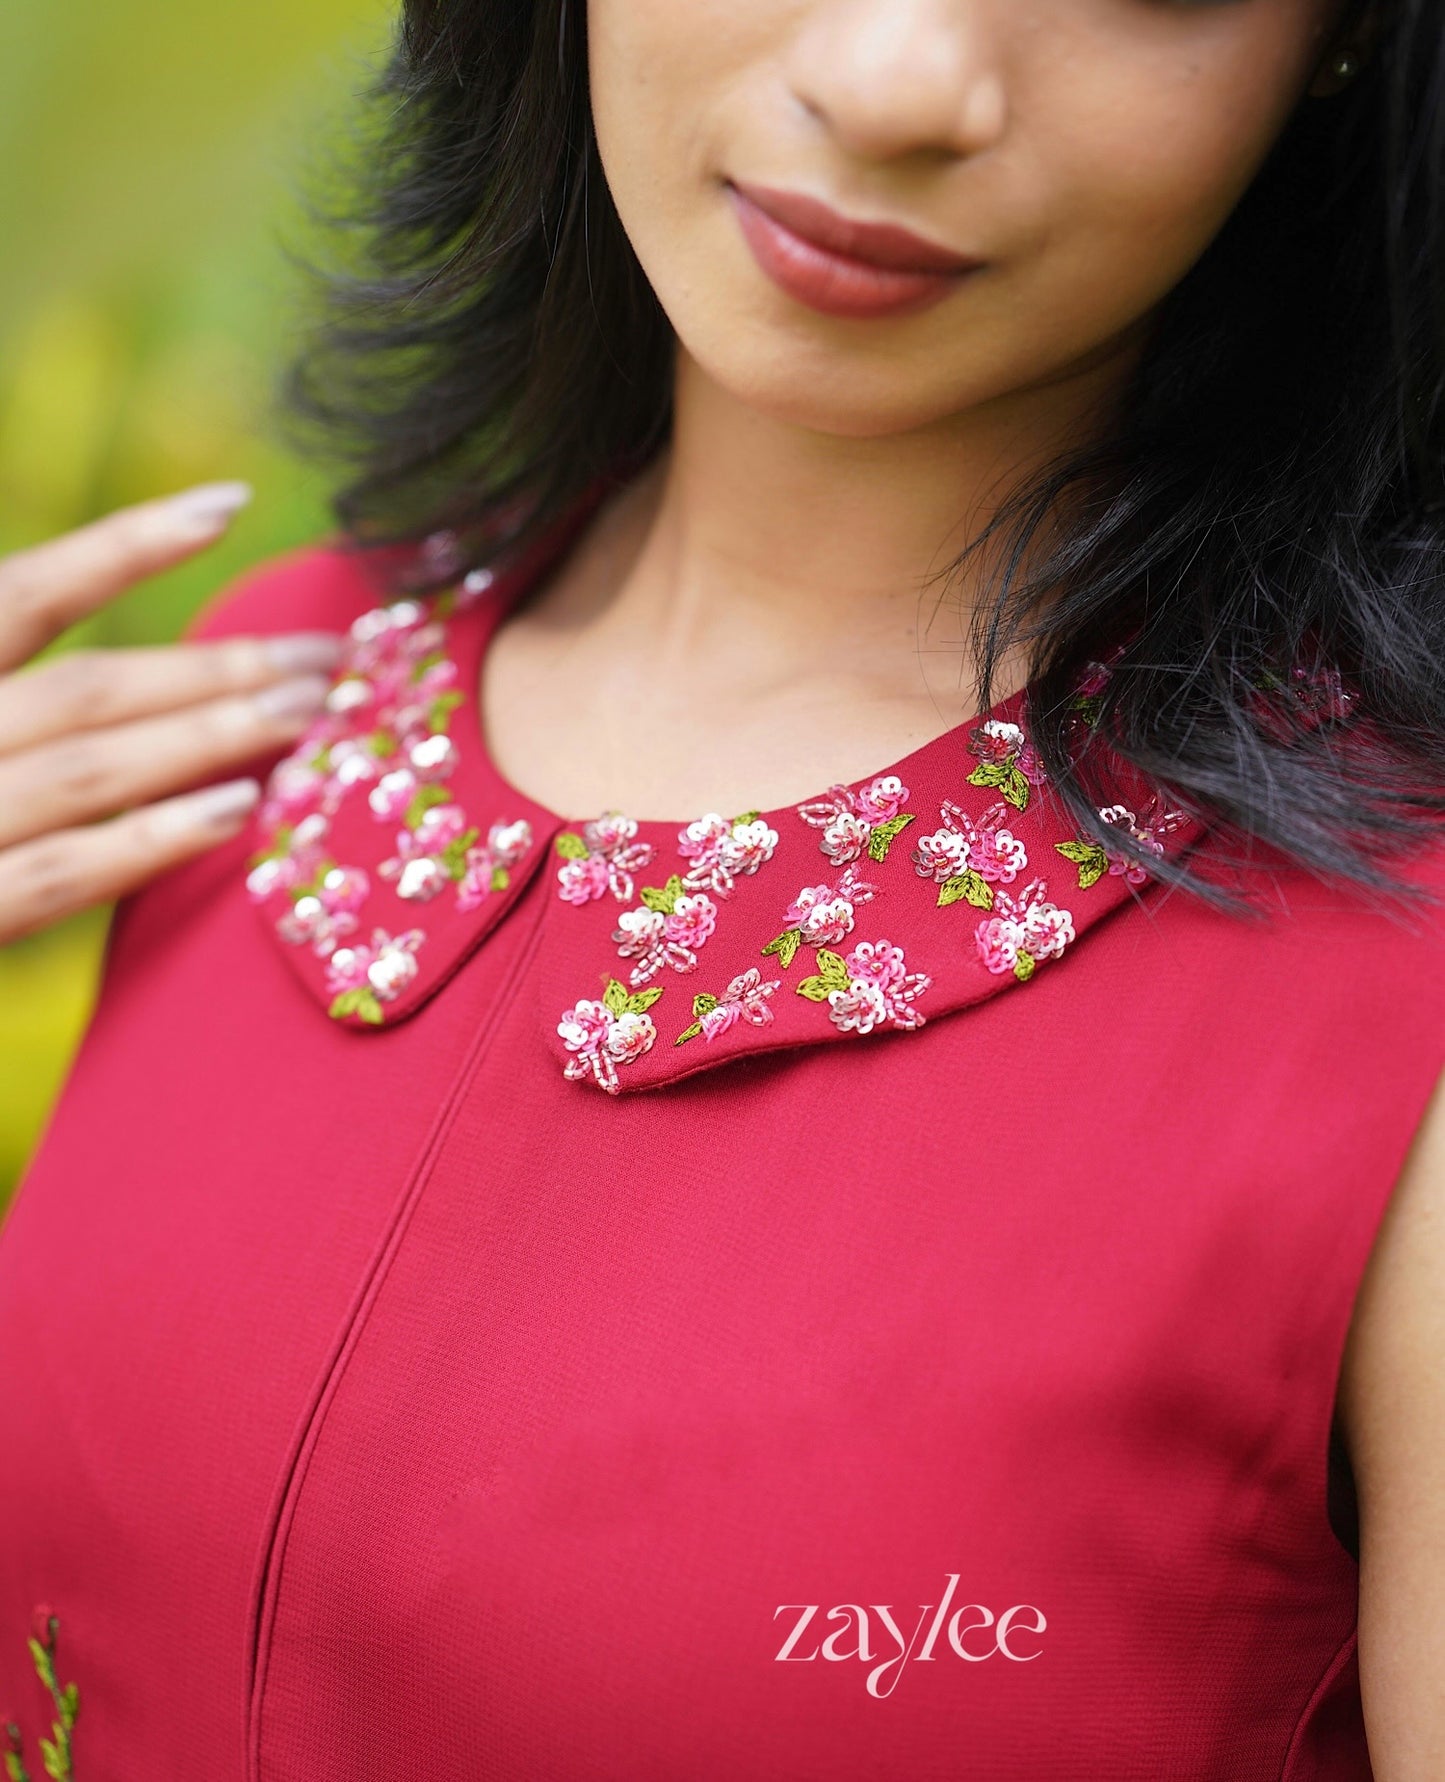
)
(1146, 173)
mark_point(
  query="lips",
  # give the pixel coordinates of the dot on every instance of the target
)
(840, 266)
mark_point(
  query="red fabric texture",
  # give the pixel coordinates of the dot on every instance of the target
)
(379, 1401)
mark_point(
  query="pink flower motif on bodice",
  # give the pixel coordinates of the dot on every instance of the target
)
(363, 977)
(602, 858)
(655, 937)
(965, 845)
(723, 850)
(1023, 931)
(878, 990)
(853, 822)
(489, 868)
(745, 999)
(601, 1036)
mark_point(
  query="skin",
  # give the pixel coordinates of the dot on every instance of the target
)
(755, 617)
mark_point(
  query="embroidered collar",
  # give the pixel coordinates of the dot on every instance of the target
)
(389, 846)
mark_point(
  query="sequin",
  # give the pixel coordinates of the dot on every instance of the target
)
(855, 822)
(967, 856)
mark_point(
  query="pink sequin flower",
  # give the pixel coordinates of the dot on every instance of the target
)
(603, 858)
(723, 849)
(879, 990)
(604, 1035)
(853, 822)
(1023, 931)
(963, 845)
(745, 999)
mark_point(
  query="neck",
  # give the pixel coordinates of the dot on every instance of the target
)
(751, 533)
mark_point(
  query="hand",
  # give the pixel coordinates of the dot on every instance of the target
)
(102, 731)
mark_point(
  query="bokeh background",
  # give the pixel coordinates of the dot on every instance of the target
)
(152, 156)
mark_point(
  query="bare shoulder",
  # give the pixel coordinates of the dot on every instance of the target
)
(1392, 1408)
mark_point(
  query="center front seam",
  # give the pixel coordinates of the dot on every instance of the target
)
(265, 1587)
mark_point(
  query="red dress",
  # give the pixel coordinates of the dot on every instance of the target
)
(852, 1290)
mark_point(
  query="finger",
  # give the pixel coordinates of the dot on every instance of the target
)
(94, 773)
(89, 689)
(48, 587)
(58, 874)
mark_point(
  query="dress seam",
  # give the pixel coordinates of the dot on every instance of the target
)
(266, 1577)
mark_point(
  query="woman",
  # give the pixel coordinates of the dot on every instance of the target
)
(689, 1189)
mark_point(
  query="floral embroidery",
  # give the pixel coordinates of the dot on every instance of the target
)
(603, 1035)
(602, 858)
(1149, 828)
(55, 1752)
(1023, 931)
(362, 978)
(1006, 760)
(489, 868)
(745, 999)
(871, 988)
(965, 859)
(667, 930)
(384, 726)
(821, 914)
(854, 821)
(722, 850)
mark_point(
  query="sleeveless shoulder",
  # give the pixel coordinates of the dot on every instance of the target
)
(320, 587)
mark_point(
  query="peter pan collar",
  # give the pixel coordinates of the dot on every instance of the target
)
(387, 846)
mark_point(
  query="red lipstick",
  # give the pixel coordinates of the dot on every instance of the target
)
(841, 266)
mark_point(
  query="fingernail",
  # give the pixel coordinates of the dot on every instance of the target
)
(297, 651)
(210, 506)
(213, 804)
(294, 698)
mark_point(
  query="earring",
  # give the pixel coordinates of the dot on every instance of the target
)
(1345, 65)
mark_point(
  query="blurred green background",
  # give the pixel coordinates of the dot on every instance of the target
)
(152, 153)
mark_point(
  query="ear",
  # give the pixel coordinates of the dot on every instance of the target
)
(1351, 44)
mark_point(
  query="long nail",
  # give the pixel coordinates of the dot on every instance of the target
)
(294, 698)
(209, 507)
(296, 651)
(211, 804)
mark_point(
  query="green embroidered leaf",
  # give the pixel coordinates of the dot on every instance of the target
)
(1015, 788)
(786, 946)
(501, 878)
(44, 1669)
(439, 712)
(360, 1001)
(1090, 859)
(423, 663)
(381, 743)
(1088, 706)
(57, 1764)
(321, 760)
(642, 1000)
(989, 773)
(614, 997)
(832, 975)
(882, 837)
(571, 846)
(1024, 967)
(746, 817)
(972, 885)
(69, 1704)
(702, 1004)
(421, 802)
(454, 855)
(15, 1769)
(279, 849)
(664, 900)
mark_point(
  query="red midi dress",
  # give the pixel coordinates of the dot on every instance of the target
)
(847, 1291)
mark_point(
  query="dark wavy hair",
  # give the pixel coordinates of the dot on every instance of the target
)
(1256, 541)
